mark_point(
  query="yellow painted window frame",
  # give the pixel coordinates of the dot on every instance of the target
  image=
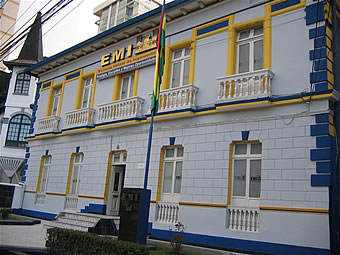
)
(80, 89)
(108, 172)
(53, 88)
(160, 172)
(70, 170)
(169, 49)
(118, 83)
(230, 176)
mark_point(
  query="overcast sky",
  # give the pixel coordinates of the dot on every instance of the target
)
(76, 27)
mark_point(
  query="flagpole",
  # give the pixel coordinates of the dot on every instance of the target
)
(157, 82)
(147, 164)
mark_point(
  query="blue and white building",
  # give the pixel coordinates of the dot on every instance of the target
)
(244, 150)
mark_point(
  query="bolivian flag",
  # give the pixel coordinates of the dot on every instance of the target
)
(159, 61)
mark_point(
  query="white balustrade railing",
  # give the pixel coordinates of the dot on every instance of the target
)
(251, 84)
(245, 219)
(81, 117)
(177, 98)
(122, 109)
(167, 212)
(71, 202)
(48, 124)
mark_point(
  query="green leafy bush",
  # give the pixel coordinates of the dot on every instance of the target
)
(67, 242)
(5, 212)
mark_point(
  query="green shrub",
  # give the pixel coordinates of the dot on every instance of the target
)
(5, 212)
(67, 242)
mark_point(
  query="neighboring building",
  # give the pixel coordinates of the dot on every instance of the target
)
(8, 15)
(243, 150)
(16, 119)
(114, 12)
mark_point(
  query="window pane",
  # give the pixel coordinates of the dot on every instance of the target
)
(256, 148)
(258, 55)
(255, 178)
(116, 157)
(176, 72)
(258, 31)
(168, 168)
(125, 86)
(180, 152)
(131, 85)
(240, 149)
(186, 72)
(124, 156)
(243, 65)
(178, 177)
(85, 97)
(116, 182)
(169, 153)
(187, 51)
(177, 54)
(239, 185)
(244, 34)
(74, 179)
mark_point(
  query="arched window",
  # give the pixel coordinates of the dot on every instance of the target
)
(18, 129)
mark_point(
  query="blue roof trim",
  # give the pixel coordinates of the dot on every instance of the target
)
(107, 32)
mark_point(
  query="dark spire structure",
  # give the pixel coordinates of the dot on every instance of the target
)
(32, 51)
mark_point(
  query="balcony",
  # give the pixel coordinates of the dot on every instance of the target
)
(122, 109)
(48, 125)
(80, 117)
(177, 98)
(245, 85)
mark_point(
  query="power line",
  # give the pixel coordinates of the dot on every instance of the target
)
(18, 20)
(4, 51)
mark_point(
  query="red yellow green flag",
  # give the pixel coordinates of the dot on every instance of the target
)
(160, 54)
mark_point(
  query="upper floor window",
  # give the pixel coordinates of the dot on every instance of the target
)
(247, 174)
(180, 67)
(87, 92)
(22, 84)
(18, 129)
(172, 174)
(56, 100)
(250, 50)
(127, 84)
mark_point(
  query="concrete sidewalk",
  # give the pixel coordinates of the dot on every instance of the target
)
(34, 236)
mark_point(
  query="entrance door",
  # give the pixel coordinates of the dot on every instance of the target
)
(116, 184)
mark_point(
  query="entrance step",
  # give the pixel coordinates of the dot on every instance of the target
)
(85, 222)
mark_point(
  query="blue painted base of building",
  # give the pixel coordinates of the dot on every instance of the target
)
(35, 214)
(94, 208)
(238, 245)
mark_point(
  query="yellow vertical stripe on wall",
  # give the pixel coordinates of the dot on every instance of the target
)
(79, 93)
(40, 172)
(69, 174)
(160, 174)
(192, 62)
(108, 176)
(50, 102)
(135, 84)
(231, 58)
(167, 69)
(116, 87)
(267, 37)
